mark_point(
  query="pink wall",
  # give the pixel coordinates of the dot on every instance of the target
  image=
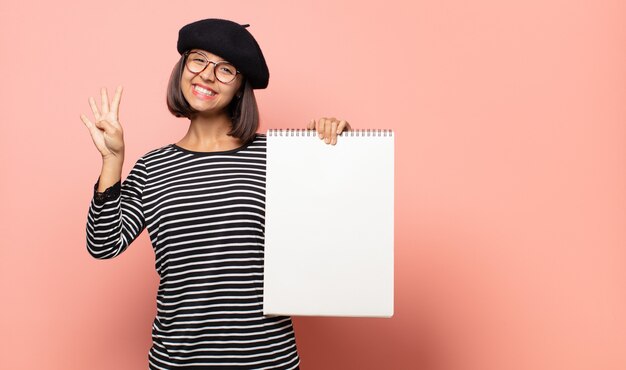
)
(511, 193)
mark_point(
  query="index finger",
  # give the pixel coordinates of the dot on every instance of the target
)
(116, 100)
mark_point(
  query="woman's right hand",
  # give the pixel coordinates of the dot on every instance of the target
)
(106, 133)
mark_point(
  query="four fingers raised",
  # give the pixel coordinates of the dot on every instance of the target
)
(104, 109)
(99, 114)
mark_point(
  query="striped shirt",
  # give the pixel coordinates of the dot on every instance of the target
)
(205, 214)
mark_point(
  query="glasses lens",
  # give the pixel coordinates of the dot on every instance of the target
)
(196, 62)
(225, 72)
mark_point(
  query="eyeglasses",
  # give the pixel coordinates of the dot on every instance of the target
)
(196, 62)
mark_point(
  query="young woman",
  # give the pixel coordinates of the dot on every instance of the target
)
(202, 200)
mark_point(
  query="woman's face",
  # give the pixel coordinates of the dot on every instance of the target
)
(199, 99)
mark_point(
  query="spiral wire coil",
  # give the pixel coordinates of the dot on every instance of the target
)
(307, 132)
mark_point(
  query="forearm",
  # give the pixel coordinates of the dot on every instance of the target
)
(111, 172)
(115, 218)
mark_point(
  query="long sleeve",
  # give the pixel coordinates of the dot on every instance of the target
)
(115, 217)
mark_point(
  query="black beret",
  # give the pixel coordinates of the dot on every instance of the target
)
(230, 41)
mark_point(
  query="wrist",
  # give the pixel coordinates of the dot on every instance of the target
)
(117, 155)
(113, 159)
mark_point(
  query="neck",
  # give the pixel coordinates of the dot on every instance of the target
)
(210, 133)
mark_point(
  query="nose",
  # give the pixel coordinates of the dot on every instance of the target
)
(208, 72)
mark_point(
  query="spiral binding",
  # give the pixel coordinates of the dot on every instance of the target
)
(307, 132)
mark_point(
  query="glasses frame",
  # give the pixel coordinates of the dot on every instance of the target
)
(215, 64)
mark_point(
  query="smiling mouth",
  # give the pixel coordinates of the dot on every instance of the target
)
(203, 91)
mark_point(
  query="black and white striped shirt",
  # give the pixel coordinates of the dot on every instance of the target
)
(205, 214)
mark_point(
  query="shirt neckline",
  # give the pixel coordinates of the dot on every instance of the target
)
(230, 151)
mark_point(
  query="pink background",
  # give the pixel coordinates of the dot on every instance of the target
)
(510, 173)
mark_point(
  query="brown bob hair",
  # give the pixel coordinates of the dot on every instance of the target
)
(243, 111)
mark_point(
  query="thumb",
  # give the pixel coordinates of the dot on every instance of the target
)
(104, 125)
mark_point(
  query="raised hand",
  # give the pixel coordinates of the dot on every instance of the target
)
(106, 133)
(328, 128)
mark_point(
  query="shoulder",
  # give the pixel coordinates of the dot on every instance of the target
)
(259, 140)
(261, 137)
(157, 153)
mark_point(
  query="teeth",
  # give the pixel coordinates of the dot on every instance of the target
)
(204, 91)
